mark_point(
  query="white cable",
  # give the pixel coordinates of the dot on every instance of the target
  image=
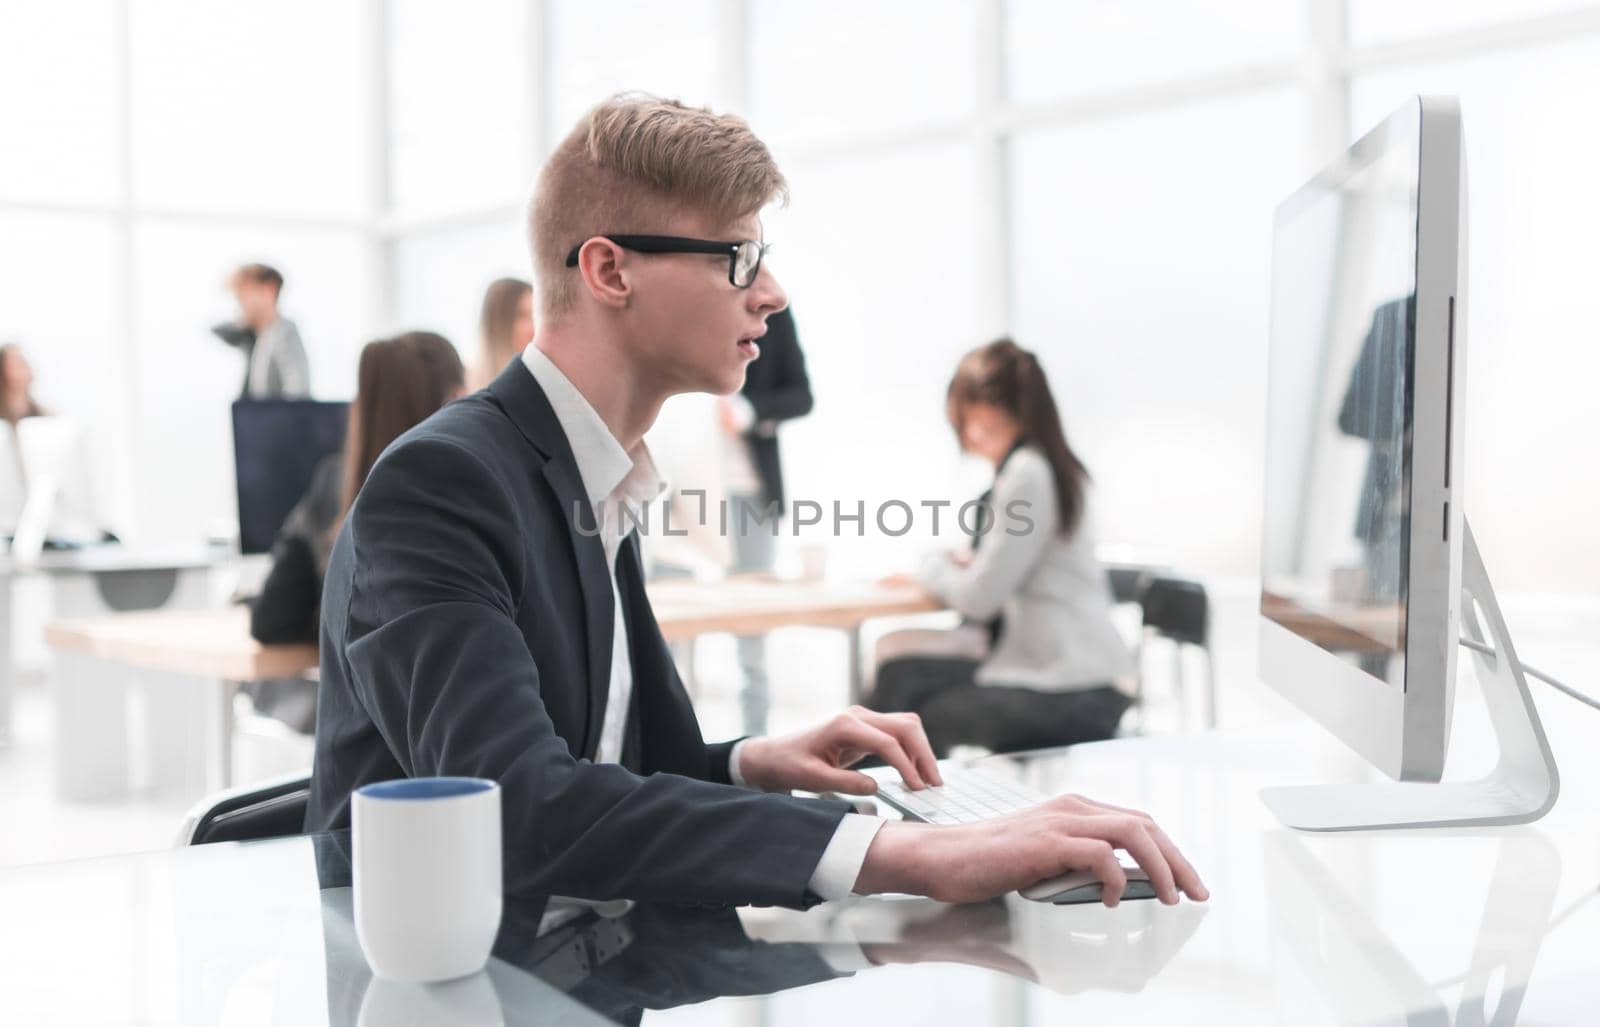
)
(1534, 672)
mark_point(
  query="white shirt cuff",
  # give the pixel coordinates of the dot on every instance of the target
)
(733, 763)
(836, 873)
(844, 957)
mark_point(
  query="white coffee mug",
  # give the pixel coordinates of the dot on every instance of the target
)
(427, 882)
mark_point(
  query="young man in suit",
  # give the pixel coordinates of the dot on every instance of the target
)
(485, 614)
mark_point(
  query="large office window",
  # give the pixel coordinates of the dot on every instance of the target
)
(461, 105)
(1533, 166)
(1143, 280)
(1095, 178)
(58, 101)
(878, 263)
(256, 107)
(151, 147)
(596, 50)
(901, 65)
(1384, 21)
(1058, 51)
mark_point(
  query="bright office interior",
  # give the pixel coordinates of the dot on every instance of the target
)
(1095, 179)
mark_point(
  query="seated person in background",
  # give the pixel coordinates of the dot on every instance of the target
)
(275, 359)
(485, 612)
(16, 385)
(505, 328)
(1038, 662)
(401, 382)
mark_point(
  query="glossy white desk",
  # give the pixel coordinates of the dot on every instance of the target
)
(1486, 927)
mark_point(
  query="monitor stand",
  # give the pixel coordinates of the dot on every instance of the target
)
(1521, 788)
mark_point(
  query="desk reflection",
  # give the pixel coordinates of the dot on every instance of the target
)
(622, 960)
(1365, 977)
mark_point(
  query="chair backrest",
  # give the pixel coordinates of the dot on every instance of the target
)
(273, 810)
(1128, 582)
(1178, 609)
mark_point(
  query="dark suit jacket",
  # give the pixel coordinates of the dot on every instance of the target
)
(466, 629)
(778, 389)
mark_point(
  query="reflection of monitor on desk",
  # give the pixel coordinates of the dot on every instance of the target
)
(277, 445)
(1364, 538)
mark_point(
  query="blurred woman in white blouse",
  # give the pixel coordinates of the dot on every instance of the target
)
(1037, 661)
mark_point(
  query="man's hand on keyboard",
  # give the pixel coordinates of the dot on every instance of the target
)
(972, 862)
(818, 760)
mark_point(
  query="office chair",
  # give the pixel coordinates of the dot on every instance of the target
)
(1178, 610)
(272, 810)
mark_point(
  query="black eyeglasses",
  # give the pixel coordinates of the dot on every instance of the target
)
(744, 256)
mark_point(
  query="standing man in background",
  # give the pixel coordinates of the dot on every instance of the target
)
(275, 359)
(776, 389)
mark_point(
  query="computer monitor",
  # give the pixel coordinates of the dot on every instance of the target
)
(61, 505)
(277, 445)
(1364, 539)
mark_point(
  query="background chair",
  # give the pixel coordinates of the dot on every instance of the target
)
(1178, 610)
(272, 810)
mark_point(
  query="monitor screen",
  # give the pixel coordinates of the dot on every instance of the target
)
(277, 445)
(1338, 476)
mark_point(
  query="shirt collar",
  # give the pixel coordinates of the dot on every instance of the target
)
(608, 471)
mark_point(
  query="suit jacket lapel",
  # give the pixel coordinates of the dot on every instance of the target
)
(595, 579)
(525, 403)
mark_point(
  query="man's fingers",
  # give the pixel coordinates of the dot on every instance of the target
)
(1183, 872)
(862, 735)
(1098, 856)
(1130, 833)
(907, 729)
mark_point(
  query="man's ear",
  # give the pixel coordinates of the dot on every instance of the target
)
(600, 262)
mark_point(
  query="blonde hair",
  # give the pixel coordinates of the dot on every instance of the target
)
(629, 165)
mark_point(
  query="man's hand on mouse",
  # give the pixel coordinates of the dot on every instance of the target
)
(972, 862)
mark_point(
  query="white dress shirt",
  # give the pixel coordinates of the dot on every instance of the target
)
(617, 480)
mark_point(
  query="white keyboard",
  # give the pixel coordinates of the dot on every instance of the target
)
(968, 795)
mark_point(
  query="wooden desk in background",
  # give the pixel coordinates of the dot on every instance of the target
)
(755, 605)
(99, 660)
(215, 646)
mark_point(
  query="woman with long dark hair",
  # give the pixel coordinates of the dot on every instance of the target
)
(1037, 661)
(399, 384)
(505, 327)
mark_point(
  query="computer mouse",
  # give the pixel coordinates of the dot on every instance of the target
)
(1081, 886)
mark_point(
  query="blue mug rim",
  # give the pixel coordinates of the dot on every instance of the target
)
(422, 789)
